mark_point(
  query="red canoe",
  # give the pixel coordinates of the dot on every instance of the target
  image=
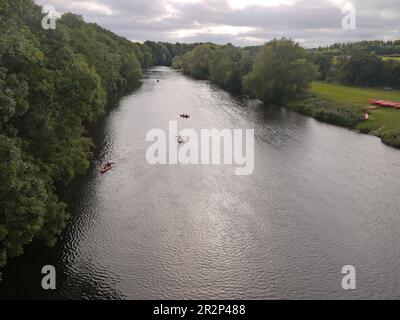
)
(384, 103)
(107, 168)
(104, 170)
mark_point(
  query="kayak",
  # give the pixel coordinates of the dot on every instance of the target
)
(384, 103)
(105, 168)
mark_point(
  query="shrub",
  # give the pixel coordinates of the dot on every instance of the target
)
(392, 138)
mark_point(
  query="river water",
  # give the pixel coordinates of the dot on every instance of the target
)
(321, 197)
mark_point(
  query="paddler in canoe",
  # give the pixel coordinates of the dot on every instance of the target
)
(180, 139)
(107, 167)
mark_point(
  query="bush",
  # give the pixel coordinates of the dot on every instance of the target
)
(282, 69)
(392, 138)
(329, 111)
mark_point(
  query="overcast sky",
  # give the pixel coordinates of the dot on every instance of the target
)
(241, 22)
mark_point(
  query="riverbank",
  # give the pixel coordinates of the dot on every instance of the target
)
(243, 237)
(344, 106)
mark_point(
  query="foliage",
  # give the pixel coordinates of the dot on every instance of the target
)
(53, 83)
(281, 69)
(392, 138)
(161, 55)
(177, 62)
(112, 56)
(228, 67)
(367, 63)
(197, 62)
(381, 48)
(363, 70)
(354, 99)
(327, 110)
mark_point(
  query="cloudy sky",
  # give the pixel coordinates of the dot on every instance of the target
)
(241, 22)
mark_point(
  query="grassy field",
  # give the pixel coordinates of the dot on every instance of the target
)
(381, 120)
(390, 58)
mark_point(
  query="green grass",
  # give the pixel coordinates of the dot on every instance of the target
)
(391, 58)
(353, 95)
(381, 120)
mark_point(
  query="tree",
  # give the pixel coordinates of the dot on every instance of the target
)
(52, 85)
(391, 73)
(24, 200)
(363, 70)
(196, 62)
(281, 70)
(324, 63)
(161, 55)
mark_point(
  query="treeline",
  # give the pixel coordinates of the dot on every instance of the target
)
(163, 53)
(367, 64)
(281, 69)
(382, 48)
(53, 83)
(279, 72)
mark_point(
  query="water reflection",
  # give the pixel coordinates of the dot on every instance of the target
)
(321, 197)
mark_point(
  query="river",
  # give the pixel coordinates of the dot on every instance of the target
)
(321, 197)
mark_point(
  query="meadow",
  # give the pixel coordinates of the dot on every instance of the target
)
(387, 58)
(345, 106)
(381, 120)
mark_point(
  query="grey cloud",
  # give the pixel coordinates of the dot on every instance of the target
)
(311, 22)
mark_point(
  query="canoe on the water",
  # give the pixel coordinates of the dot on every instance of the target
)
(104, 170)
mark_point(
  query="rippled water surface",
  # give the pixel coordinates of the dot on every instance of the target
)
(321, 197)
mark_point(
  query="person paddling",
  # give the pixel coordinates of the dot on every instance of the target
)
(108, 164)
(180, 139)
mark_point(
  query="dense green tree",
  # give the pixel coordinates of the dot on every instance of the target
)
(366, 63)
(197, 62)
(363, 70)
(281, 69)
(392, 138)
(28, 205)
(381, 48)
(391, 73)
(161, 55)
(228, 66)
(324, 63)
(177, 62)
(112, 56)
(52, 84)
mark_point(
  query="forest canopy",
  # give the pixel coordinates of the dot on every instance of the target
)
(53, 83)
(278, 70)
